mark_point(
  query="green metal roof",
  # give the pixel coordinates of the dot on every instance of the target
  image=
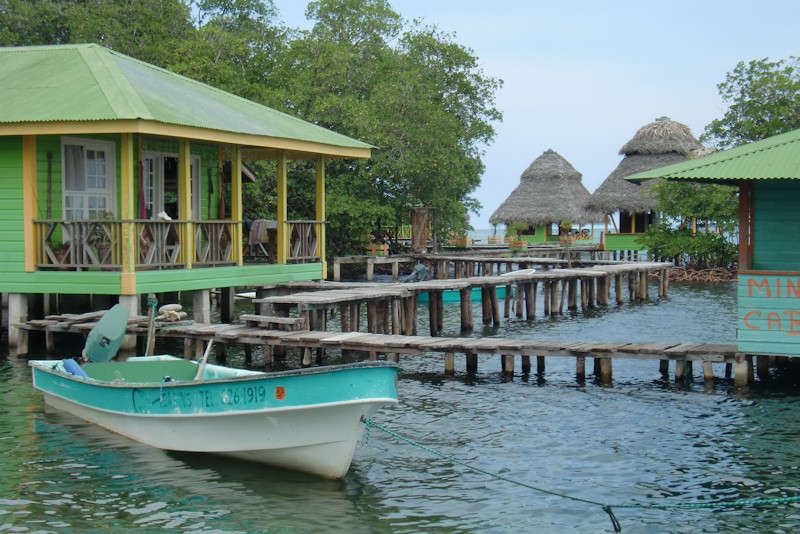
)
(88, 82)
(776, 157)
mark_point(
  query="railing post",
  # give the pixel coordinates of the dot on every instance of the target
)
(320, 226)
(185, 199)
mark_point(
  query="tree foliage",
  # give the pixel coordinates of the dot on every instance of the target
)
(698, 225)
(763, 99)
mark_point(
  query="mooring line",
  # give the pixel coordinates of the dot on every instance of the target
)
(607, 508)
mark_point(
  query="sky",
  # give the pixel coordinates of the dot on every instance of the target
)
(582, 76)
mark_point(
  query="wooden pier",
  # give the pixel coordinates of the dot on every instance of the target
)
(515, 354)
(392, 308)
(473, 262)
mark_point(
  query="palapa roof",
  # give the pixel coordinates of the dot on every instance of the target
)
(550, 191)
(656, 144)
(773, 158)
(83, 88)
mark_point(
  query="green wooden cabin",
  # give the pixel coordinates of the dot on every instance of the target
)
(767, 173)
(94, 145)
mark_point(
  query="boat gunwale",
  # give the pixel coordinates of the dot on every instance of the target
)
(256, 375)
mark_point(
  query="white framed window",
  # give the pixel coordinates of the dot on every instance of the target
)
(160, 184)
(88, 178)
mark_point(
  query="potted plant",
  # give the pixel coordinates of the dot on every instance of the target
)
(100, 238)
(59, 249)
(516, 241)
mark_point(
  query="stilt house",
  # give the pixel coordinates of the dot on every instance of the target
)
(656, 144)
(550, 192)
(112, 174)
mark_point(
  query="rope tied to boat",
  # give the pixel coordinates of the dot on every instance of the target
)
(607, 508)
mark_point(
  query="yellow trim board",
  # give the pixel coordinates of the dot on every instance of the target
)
(295, 146)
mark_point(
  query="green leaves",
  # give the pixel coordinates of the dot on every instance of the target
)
(763, 100)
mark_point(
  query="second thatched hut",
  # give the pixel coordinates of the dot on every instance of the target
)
(659, 143)
(550, 192)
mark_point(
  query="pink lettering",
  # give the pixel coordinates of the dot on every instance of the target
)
(794, 322)
(774, 318)
(746, 319)
(751, 283)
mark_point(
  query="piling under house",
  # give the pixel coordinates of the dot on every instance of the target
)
(659, 143)
(550, 192)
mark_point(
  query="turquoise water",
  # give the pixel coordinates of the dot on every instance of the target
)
(644, 439)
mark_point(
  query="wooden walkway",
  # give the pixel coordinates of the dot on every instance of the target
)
(471, 262)
(511, 351)
(392, 308)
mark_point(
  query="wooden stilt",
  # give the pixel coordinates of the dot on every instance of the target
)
(540, 365)
(449, 363)
(572, 290)
(618, 287)
(580, 368)
(546, 297)
(663, 366)
(605, 370)
(472, 362)
(521, 295)
(762, 366)
(526, 365)
(486, 305)
(708, 371)
(495, 306)
(742, 370)
(508, 364)
(507, 302)
(680, 370)
(466, 309)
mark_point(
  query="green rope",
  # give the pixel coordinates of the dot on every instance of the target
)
(607, 508)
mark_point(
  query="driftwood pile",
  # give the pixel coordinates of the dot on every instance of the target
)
(713, 276)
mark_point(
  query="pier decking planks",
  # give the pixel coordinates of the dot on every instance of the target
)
(394, 345)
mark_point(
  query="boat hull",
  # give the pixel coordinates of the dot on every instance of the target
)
(305, 421)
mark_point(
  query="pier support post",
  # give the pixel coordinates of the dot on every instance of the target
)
(708, 371)
(472, 362)
(18, 313)
(540, 366)
(508, 364)
(618, 287)
(742, 370)
(530, 300)
(605, 370)
(507, 302)
(680, 370)
(580, 368)
(762, 367)
(572, 290)
(465, 294)
(526, 365)
(449, 363)
(663, 366)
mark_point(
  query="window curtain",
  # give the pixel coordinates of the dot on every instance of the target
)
(74, 168)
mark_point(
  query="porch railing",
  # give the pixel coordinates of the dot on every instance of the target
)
(304, 241)
(79, 245)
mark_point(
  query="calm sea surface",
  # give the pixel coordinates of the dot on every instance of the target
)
(643, 440)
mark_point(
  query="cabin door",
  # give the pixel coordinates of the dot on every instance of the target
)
(160, 185)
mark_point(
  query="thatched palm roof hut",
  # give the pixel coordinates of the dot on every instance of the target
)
(657, 144)
(550, 191)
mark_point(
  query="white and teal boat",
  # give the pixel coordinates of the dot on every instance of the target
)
(307, 420)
